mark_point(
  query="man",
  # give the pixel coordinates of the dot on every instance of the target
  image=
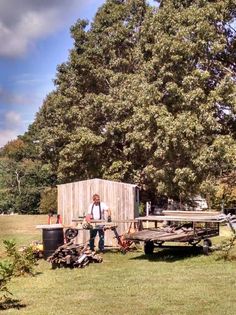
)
(96, 211)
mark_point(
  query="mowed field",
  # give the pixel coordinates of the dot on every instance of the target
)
(172, 281)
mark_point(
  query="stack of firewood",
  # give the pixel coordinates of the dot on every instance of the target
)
(73, 256)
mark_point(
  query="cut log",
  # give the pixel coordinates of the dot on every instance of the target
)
(73, 256)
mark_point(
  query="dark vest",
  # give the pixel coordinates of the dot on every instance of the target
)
(100, 211)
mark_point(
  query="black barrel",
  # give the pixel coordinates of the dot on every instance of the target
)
(52, 238)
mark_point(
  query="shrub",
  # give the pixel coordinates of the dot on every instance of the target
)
(6, 273)
(22, 262)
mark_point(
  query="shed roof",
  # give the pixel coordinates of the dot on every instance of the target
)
(103, 180)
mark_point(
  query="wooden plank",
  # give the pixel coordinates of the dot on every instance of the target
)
(79, 220)
(157, 236)
(183, 218)
(185, 213)
(175, 236)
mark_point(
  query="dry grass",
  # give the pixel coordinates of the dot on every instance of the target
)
(176, 281)
(21, 228)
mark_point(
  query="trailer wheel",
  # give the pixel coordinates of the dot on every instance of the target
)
(206, 244)
(148, 247)
(70, 234)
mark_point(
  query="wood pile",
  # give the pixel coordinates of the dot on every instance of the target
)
(73, 256)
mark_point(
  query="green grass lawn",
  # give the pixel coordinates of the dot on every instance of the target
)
(172, 281)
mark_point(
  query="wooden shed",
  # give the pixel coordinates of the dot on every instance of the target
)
(122, 198)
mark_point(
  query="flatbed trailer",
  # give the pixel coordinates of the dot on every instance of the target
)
(176, 226)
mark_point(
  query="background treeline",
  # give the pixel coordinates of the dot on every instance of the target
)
(147, 96)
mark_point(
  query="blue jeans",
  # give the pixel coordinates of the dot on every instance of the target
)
(93, 234)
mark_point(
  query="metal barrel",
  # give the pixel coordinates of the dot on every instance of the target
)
(52, 239)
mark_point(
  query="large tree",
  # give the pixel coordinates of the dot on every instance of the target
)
(147, 96)
(81, 122)
(188, 48)
(23, 177)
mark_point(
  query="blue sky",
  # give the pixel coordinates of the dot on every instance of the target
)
(34, 39)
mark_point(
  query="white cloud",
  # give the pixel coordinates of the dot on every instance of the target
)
(7, 135)
(11, 125)
(31, 78)
(23, 23)
(11, 97)
(13, 119)
(18, 38)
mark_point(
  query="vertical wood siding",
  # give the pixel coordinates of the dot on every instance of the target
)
(122, 199)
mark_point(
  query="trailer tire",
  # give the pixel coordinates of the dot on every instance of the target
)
(206, 244)
(148, 247)
(70, 234)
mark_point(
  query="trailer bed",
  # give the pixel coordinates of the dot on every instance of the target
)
(176, 226)
(176, 235)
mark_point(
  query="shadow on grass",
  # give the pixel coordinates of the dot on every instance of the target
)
(9, 303)
(172, 254)
(120, 251)
(37, 273)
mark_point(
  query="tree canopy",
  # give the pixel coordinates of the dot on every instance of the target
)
(147, 96)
